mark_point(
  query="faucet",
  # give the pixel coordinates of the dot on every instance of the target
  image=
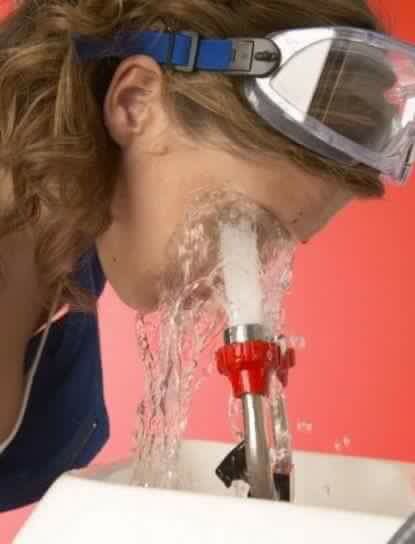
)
(247, 359)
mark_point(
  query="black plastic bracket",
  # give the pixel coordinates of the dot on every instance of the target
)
(233, 468)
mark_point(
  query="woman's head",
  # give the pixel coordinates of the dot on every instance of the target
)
(115, 150)
(163, 168)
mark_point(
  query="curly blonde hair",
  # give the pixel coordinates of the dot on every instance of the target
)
(55, 150)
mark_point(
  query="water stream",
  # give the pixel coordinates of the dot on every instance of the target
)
(189, 325)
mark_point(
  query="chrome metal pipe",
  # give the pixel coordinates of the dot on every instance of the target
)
(244, 333)
(260, 477)
(258, 462)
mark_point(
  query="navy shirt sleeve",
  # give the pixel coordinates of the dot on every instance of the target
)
(66, 423)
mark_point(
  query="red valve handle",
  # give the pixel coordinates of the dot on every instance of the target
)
(248, 365)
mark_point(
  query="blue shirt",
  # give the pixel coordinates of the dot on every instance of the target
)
(66, 422)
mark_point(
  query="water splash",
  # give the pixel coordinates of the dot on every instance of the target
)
(191, 320)
(171, 377)
(281, 448)
(240, 488)
(235, 416)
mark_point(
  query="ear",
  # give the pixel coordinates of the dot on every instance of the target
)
(134, 93)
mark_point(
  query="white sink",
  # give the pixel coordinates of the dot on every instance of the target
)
(338, 500)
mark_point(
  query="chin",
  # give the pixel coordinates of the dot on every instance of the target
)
(144, 302)
(141, 299)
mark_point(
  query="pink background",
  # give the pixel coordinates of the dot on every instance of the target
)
(354, 301)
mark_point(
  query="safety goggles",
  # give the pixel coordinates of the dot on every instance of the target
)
(345, 93)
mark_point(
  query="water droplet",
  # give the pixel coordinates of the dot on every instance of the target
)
(338, 445)
(297, 342)
(305, 427)
(342, 443)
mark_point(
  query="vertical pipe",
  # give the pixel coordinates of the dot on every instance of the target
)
(257, 451)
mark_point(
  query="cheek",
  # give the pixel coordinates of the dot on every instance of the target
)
(154, 218)
(156, 221)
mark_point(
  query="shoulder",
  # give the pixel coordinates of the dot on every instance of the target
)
(20, 293)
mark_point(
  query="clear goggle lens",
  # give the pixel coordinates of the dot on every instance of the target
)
(363, 93)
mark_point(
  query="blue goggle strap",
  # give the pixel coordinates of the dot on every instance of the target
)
(186, 51)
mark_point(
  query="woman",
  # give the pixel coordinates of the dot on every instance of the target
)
(101, 152)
